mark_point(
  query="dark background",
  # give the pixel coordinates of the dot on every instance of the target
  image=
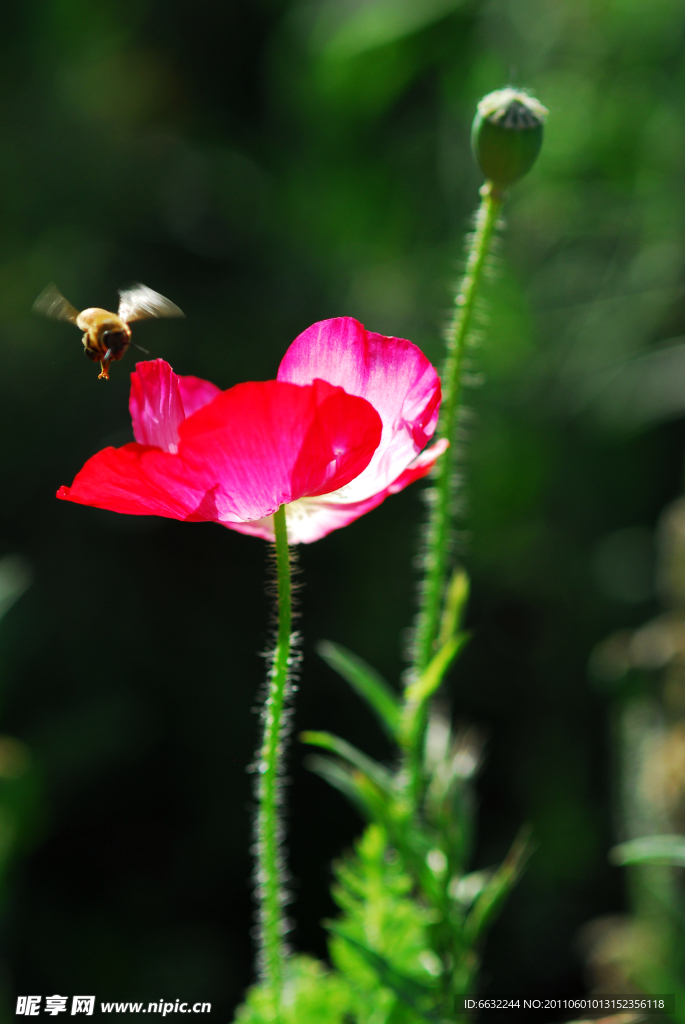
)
(268, 164)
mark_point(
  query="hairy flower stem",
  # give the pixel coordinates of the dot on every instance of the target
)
(269, 858)
(439, 527)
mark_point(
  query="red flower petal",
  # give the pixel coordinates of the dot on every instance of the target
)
(312, 518)
(390, 373)
(160, 401)
(272, 442)
(195, 393)
(135, 479)
(155, 405)
(251, 449)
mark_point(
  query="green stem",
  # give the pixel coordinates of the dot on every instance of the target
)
(438, 537)
(272, 925)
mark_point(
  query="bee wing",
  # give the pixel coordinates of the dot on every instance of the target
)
(52, 303)
(138, 302)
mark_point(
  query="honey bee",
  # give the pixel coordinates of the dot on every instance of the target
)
(106, 336)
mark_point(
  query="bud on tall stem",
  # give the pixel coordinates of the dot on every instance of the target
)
(507, 135)
(506, 139)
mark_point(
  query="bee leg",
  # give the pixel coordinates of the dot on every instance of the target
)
(104, 365)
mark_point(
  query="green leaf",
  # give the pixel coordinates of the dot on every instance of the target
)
(340, 777)
(490, 901)
(666, 849)
(372, 769)
(366, 682)
(358, 789)
(426, 685)
(369, 787)
(409, 990)
(417, 694)
(377, 803)
(455, 606)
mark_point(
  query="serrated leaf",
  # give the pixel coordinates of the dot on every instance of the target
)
(409, 990)
(366, 682)
(666, 849)
(372, 769)
(312, 994)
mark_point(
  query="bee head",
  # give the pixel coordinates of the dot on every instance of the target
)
(115, 341)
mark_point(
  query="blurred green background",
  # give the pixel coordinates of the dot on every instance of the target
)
(268, 164)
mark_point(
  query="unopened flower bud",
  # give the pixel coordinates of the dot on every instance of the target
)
(507, 135)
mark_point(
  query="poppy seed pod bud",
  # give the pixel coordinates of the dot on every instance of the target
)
(507, 135)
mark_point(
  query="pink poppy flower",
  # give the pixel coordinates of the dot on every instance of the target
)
(342, 427)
